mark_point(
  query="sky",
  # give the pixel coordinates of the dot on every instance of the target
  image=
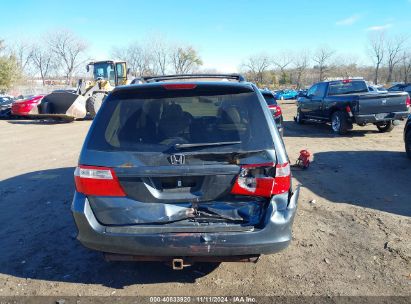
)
(225, 32)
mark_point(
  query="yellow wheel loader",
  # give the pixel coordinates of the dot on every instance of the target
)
(86, 101)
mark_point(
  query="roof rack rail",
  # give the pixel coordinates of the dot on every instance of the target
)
(238, 77)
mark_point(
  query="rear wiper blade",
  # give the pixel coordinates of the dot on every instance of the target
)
(215, 144)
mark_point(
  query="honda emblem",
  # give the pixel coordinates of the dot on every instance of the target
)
(177, 159)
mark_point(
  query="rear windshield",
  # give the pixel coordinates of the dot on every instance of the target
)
(269, 98)
(158, 124)
(347, 87)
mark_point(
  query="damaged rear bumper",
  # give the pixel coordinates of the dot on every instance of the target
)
(145, 241)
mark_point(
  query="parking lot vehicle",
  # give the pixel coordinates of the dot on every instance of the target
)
(274, 108)
(180, 169)
(87, 99)
(302, 92)
(286, 94)
(5, 106)
(344, 102)
(377, 89)
(28, 106)
(407, 136)
(401, 87)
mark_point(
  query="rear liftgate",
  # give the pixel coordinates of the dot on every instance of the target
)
(252, 180)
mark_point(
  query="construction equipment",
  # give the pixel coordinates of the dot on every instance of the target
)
(87, 99)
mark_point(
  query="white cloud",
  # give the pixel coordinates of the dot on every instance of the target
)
(349, 21)
(379, 27)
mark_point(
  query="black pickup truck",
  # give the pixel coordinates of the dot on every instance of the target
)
(345, 102)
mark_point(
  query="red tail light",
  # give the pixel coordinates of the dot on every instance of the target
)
(347, 81)
(180, 86)
(98, 181)
(263, 180)
(276, 110)
(408, 101)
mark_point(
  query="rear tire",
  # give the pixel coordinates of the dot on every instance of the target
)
(408, 144)
(387, 126)
(299, 118)
(339, 123)
(93, 104)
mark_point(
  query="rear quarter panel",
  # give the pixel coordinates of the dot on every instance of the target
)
(336, 103)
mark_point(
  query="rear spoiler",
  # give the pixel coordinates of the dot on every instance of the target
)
(238, 77)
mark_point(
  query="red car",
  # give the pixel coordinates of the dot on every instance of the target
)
(26, 106)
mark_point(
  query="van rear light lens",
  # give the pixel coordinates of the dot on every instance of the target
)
(97, 181)
(408, 101)
(282, 179)
(346, 81)
(276, 110)
(180, 86)
(263, 180)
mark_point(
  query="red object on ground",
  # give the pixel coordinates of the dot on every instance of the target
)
(26, 106)
(303, 160)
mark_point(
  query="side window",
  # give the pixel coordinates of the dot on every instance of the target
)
(408, 88)
(321, 88)
(111, 75)
(121, 73)
(312, 90)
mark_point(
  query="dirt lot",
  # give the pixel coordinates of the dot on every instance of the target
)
(354, 240)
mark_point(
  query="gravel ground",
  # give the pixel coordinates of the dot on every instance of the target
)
(352, 233)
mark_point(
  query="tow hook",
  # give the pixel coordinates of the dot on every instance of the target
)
(178, 264)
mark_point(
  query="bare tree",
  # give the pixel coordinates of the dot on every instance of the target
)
(394, 48)
(301, 61)
(256, 66)
(43, 60)
(282, 60)
(346, 65)
(406, 66)
(22, 50)
(322, 57)
(161, 53)
(69, 50)
(138, 58)
(185, 60)
(377, 52)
